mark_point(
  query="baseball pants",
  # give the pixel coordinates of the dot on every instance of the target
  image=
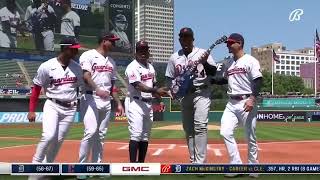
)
(55, 126)
(140, 118)
(96, 116)
(233, 116)
(195, 109)
(48, 40)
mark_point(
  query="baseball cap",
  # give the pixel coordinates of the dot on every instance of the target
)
(236, 37)
(186, 32)
(107, 36)
(120, 18)
(70, 42)
(142, 45)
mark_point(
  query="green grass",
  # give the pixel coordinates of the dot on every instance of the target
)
(180, 177)
(28, 42)
(9, 143)
(119, 131)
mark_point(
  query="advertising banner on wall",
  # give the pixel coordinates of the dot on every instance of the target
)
(281, 116)
(21, 117)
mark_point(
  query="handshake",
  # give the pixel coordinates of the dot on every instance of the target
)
(162, 91)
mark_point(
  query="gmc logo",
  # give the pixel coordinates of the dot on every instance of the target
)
(135, 169)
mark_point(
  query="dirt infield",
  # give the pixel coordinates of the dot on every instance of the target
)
(175, 152)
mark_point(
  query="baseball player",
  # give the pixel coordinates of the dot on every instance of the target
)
(40, 19)
(244, 80)
(10, 23)
(60, 77)
(99, 76)
(70, 22)
(120, 26)
(196, 104)
(141, 79)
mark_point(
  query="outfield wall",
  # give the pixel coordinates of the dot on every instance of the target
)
(13, 109)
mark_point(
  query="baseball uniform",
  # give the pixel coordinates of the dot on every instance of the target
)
(240, 76)
(137, 103)
(95, 111)
(196, 104)
(120, 26)
(41, 24)
(9, 39)
(68, 23)
(60, 86)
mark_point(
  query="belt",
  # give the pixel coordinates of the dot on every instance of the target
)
(147, 100)
(64, 103)
(197, 88)
(239, 97)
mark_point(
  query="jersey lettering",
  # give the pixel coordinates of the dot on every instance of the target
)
(103, 68)
(65, 80)
(236, 70)
(146, 77)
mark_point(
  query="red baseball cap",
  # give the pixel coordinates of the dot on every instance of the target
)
(142, 45)
(108, 36)
(70, 42)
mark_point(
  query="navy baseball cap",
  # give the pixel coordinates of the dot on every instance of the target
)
(70, 42)
(142, 45)
(107, 36)
(186, 31)
(235, 37)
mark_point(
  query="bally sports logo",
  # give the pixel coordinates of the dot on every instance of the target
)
(166, 168)
(135, 169)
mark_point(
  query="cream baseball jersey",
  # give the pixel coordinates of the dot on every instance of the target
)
(102, 69)
(137, 72)
(241, 74)
(178, 63)
(68, 22)
(6, 15)
(58, 83)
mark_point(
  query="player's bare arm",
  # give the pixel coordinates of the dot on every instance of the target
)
(88, 80)
(114, 93)
(257, 83)
(33, 102)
